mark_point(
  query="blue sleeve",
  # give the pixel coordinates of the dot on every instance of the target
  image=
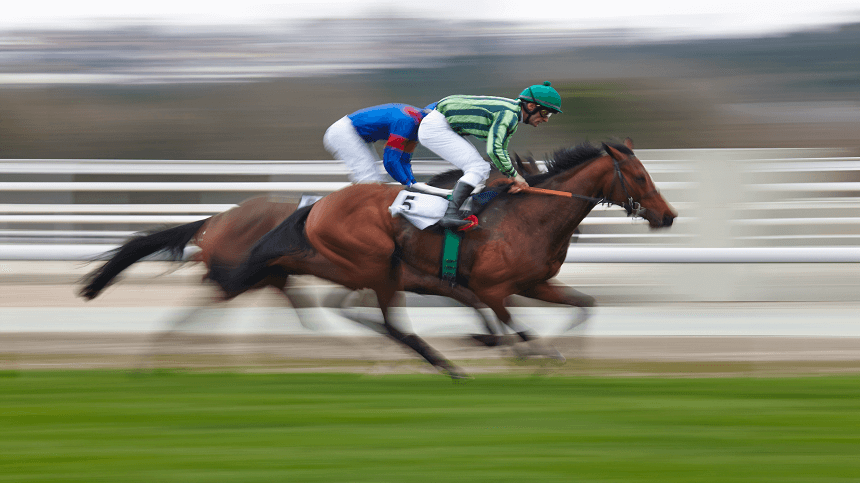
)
(398, 164)
(401, 144)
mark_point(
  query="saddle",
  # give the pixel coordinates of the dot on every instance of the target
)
(424, 205)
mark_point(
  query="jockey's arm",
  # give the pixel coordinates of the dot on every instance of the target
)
(397, 159)
(497, 144)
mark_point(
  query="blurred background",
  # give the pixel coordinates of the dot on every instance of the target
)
(158, 82)
(746, 114)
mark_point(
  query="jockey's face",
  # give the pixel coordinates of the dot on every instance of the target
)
(539, 117)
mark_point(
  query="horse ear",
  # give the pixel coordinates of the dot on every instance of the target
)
(519, 162)
(528, 166)
(628, 142)
(532, 167)
(616, 155)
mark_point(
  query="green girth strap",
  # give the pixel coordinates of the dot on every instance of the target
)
(450, 254)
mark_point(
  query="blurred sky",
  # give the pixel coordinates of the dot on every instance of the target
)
(664, 17)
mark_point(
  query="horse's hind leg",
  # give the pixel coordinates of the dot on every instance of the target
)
(414, 342)
(421, 283)
(160, 338)
(299, 302)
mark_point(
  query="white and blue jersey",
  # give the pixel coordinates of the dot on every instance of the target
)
(397, 124)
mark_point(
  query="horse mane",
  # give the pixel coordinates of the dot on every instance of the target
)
(561, 160)
(445, 178)
(565, 159)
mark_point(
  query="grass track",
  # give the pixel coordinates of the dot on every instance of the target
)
(201, 427)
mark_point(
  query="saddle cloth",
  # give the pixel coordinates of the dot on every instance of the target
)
(420, 209)
(308, 200)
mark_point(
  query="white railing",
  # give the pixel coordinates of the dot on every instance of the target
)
(735, 205)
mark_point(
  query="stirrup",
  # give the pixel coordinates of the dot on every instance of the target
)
(450, 222)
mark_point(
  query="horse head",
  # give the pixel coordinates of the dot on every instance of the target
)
(631, 187)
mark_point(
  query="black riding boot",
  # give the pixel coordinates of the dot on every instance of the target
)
(452, 217)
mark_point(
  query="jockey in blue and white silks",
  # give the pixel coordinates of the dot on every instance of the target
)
(351, 139)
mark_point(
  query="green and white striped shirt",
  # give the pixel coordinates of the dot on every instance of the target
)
(493, 119)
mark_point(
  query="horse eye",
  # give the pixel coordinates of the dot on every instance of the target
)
(640, 179)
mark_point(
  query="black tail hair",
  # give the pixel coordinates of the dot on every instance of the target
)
(172, 240)
(286, 239)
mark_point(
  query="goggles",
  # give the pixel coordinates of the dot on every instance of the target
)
(545, 113)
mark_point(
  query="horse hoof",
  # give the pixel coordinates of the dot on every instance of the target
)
(488, 340)
(550, 353)
(456, 374)
(556, 356)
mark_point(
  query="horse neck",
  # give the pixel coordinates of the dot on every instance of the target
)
(589, 179)
(559, 216)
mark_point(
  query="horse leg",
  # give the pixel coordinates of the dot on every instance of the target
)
(352, 310)
(422, 283)
(161, 337)
(564, 295)
(495, 335)
(534, 346)
(300, 301)
(413, 341)
(335, 299)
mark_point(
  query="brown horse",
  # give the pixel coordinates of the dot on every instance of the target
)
(227, 237)
(349, 237)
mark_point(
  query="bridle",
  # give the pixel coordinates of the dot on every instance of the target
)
(633, 208)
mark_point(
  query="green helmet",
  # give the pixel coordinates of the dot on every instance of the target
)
(543, 95)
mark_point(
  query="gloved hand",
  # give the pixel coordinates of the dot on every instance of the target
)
(519, 184)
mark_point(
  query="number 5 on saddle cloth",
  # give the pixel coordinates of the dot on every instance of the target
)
(424, 210)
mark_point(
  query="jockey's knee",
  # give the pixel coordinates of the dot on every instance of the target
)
(476, 175)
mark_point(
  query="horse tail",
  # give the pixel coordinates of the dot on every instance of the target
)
(172, 240)
(285, 240)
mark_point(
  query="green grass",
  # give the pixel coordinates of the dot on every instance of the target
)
(200, 427)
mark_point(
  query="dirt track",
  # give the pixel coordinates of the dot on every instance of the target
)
(31, 343)
(677, 356)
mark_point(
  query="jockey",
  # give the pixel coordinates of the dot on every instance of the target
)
(350, 139)
(493, 119)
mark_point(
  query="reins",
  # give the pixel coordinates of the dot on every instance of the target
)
(564, 194)
(633, 208)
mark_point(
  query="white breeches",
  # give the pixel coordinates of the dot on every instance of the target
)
(436, 135)
(341, 140)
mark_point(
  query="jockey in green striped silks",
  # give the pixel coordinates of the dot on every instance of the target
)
(492, 119)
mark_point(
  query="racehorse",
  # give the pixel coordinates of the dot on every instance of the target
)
(227, 237)
(350, 237)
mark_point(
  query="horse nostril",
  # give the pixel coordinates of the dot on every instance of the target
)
(667, 220)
